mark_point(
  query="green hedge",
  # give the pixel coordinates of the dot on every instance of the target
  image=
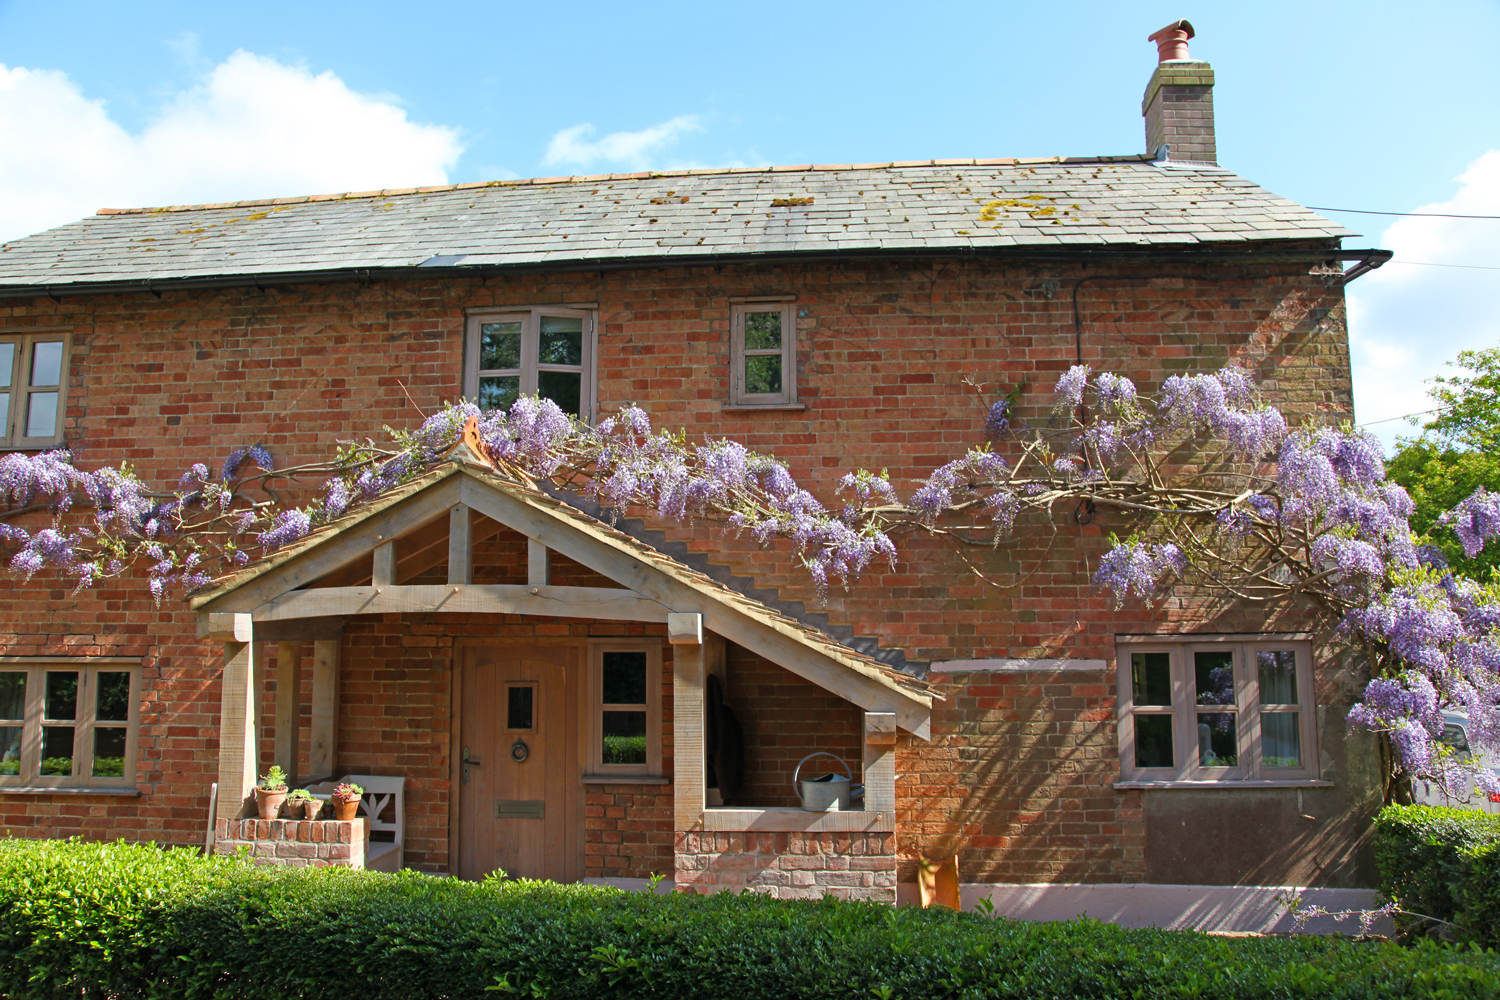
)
(118, 920)
(1442, 863)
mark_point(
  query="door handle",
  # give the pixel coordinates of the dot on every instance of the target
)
(468, 762)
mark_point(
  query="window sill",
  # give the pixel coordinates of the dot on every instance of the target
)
(754, 407)
(733, 820)
(69, 790)
(1224, 783)
(625, 779)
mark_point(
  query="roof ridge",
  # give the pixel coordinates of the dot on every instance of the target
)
(640, 175)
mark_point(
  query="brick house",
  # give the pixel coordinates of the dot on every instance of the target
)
(543, 679)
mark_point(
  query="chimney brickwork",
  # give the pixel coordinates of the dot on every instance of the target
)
(1179, 101)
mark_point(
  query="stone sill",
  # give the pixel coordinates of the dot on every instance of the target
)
(753, 407)
(731, 820)
(625, 779)
(1226, 784)
(69, 790)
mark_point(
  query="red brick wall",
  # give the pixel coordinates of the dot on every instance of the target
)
(883, 350)
(790, 865)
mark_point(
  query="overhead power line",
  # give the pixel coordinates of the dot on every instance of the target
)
(1412, 215)
(1467, 267)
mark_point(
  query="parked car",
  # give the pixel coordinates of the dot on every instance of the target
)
(1431, 793)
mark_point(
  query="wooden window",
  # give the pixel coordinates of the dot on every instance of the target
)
(543, 351)
(624, 707)
(1206, 708)
(33, 388)
(763, 353)
(68, 723)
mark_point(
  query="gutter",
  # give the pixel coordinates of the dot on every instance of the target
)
(1367, 259)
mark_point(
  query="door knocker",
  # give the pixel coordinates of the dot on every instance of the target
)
(519, 751)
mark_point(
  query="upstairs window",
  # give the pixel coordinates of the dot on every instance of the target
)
(68, 724)
(763, 353)
(33, 388)
(1201, 708)
(544, 351)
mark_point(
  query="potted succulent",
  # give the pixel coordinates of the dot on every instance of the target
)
(270, 792)
(304, 802)
(346, 800)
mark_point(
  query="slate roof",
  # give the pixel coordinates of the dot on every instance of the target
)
(932, 206)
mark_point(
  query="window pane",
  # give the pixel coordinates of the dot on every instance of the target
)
(12, 695)
(519, 702)
(1152, 675)
(113, 701)
(762, 331)
(10, 750)
(1153, 740)
(1280, 739)
(1278, 676)
(109, 752)
(499, 346)
(498, 392)
(625, 678)
(763, 373)
(1453, 735)
(41, 415)
(563, 388)
(7, 363)
(57, 750)
(46, 363)
(624, 737)
(62, 695)
(1218, 746)
(5, 411)
(1214, 675)
(561, 341)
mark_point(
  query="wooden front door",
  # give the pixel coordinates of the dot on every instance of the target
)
(520, 794)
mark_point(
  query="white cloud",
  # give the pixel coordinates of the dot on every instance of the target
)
(1405, 320)
(254, 128)
(630, 150)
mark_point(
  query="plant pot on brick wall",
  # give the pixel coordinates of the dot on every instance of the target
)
(345, 800)
(270, 793)
(302, 804)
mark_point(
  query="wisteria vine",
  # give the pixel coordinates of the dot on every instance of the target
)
(1261, 511)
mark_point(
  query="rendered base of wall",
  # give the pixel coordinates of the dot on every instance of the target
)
(1218, 908)
(789, 865)
(296, 842)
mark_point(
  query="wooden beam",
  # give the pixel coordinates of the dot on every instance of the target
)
(460, 545)
(384, 572)
(685, 629)
(238, 729)
(343, 547)
(688, 777)
(288, 707)
(538, 564)
(324, 734)
(880, 761)
(222, 626)
(300, 630)
(606, 603)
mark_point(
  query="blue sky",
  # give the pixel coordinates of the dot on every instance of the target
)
(1367, 107)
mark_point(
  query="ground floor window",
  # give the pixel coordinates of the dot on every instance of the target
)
(625, 707)
(68, 723)
(1216, 708)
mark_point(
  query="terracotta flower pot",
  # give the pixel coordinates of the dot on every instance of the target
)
(269, 801)
(306, 808)
(345, 808)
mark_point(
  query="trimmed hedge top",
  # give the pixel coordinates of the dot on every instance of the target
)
(1442, 863)
(123, 920)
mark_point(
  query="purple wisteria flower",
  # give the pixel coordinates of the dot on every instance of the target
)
(1476, 520)
(997, 422)
(1068, 393)
(1135, 569)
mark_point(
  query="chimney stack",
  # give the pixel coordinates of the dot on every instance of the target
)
(1179, 102)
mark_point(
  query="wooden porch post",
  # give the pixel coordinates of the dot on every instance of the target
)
(688, 778)
(323, 746)
(238, 729)
(880, 761)
(288, 707)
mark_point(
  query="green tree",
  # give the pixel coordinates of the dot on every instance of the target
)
(1458, 452)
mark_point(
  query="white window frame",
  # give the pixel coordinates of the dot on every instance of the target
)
(594, 723)
(30, 777)
(787, 306)
(15, 414)
(530, 318)
(1247, 708)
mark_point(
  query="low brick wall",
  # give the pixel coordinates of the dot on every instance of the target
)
(296, 842)
(790, 865)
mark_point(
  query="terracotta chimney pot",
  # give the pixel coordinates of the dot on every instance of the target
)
(1172, 41)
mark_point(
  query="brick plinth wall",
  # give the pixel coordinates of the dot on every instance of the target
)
(296, 842)
(790, 865)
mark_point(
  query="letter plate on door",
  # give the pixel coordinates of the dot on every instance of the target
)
(520, 808)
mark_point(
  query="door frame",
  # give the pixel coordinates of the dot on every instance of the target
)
(455, 730)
